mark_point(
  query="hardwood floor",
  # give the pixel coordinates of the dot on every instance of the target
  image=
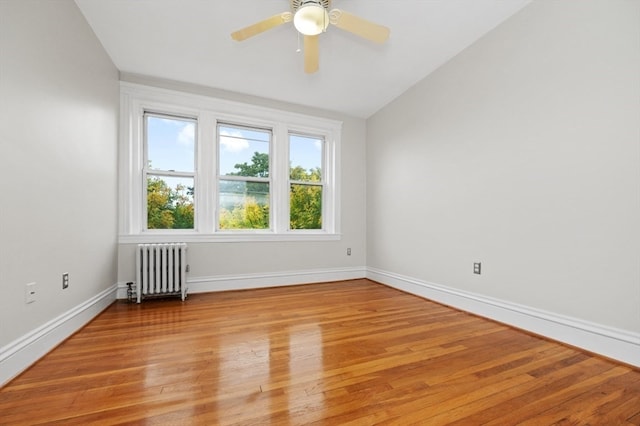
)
(343, 353)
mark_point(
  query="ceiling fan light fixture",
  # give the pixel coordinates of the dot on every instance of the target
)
(311, 18)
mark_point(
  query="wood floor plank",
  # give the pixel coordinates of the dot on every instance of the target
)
(349, 353)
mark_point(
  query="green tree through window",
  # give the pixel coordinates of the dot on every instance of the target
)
(305, 200)
(167, 207)
(243, 190)
(306, 181)
(252, 211)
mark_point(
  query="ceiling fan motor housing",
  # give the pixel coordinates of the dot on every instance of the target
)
(311, 18)
(297, 4)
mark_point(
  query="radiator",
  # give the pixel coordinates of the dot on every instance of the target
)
(161, 270)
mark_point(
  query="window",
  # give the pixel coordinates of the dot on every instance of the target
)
(243, 181)
(169, 171)
(305, 182)
(194, 168)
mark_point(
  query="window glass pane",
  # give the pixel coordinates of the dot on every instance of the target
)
(243, 205)
(169, 202)
(305, 158)
(243, 152)
(170, 143)
(305, 206)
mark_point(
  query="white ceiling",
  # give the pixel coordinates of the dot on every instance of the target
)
(189, 41)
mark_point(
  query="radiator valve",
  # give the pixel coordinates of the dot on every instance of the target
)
(131, 293)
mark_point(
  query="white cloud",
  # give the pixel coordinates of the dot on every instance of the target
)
(187, 135)
(233, 141)
(318, 144)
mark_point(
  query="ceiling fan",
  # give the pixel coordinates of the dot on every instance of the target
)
(312, 17)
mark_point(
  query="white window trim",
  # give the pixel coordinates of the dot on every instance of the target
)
(135, 99)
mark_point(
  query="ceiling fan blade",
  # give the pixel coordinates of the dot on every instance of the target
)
(311, 54)
(262, 26)
(358, 26)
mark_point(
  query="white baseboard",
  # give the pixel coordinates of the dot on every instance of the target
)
(621, 345)
(18, 355)
(262, 280)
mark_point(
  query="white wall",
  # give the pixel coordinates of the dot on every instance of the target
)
(59, 100)
(523, 153)
(219, 266)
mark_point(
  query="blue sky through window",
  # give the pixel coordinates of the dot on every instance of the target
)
(171, 143)
(171, 146)
(238, 145)
(305, 151)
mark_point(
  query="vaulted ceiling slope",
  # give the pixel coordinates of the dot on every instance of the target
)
(189, 41)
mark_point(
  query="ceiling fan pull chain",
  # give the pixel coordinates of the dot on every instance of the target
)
(324, 23)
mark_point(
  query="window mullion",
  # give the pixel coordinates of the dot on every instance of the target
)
(206, 173)
(138, 180)
(281, 178)
(331, 193)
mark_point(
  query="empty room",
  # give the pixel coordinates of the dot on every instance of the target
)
(338, 212)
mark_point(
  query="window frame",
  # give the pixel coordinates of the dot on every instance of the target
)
(321, 184)
(146, 171)
(246, 179)
(136, 99)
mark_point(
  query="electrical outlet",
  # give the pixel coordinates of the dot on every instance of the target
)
(349, 251)
(65, 280)
(30, 293)
(477, 268)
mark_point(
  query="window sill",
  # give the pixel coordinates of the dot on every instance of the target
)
(252, 237)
